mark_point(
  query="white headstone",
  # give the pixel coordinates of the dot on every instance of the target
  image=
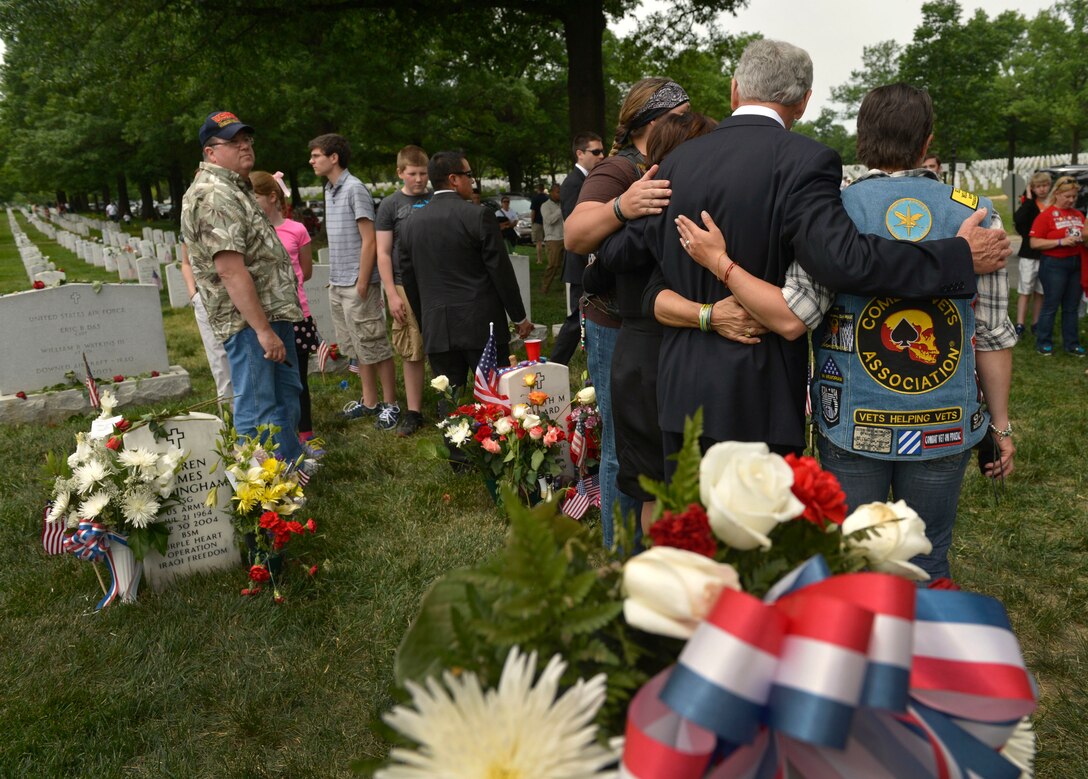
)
(109, 259)
(201, 537)
(126, 266)
(149, 272)
(50, 277)
(171, 238)
(119, 328)
(521, 272)
(147, 233)
(165, 255)
(552, 378)
(323, 255)
(175, 285)
(317, 293)
(157, 236)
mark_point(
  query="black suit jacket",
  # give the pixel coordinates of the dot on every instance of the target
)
(574, 264)
(457, 274)
(775, 195)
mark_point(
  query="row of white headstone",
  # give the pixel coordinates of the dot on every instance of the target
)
(38, 267)
(989, 174)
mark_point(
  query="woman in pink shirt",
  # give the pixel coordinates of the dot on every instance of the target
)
(270, 194)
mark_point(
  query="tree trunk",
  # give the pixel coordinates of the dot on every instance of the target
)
(583, 31)
(105, 194)
(177, 191)
(147, 207)
(61, 199)
(122, 196)
(515, 173)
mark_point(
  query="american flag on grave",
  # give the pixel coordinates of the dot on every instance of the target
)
(322, 355)
(92, 388)
(52, 533)
(486, 386)
(586, 494)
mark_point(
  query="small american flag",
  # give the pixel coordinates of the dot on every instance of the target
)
(578, 441)
(353, 365)
(322, 355)
(486, 387)
(586, 494)
(92, 388)
(52, 533)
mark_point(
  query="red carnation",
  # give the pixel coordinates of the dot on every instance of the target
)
(39, 285)
(122, 425)
(824, 500)
(311, 525)
(154, 374)
(21, 395)
(114, 443)
(294, 527)
(259, 574)
(483, 433)
(118, 378)
(690, 531)
(313, 570)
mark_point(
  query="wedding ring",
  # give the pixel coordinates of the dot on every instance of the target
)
(687, 243)
(748, 332)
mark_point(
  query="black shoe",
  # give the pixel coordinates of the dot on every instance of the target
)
(1019, 332)
(409, 423)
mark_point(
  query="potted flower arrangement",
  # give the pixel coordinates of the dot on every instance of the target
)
(516, 446)
(749, 639)
(267, 493)
(113, 498)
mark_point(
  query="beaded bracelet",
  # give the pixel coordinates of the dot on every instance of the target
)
(705, 311)
(1002, 433)
(616, 210)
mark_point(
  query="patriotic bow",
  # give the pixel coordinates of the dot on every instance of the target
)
(839, 677)
(90, 542)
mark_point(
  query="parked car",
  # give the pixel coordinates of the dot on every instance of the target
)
(1080, 173)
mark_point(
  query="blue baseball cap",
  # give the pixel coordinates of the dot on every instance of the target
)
(221, 124)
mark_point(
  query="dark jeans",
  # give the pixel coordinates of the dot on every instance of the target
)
(571, 332)
(305, 419)
(930, 487)
(1060, 277)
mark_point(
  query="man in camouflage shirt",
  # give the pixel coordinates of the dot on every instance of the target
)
(246, 281)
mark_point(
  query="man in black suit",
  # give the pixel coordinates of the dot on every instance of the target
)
(457, 274)
(775, 195)
(588, 151)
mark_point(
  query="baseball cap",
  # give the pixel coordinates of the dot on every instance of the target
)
(221, 124)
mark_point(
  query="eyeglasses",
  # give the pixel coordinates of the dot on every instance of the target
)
(594, 152)
(237, 142)
(468, 173)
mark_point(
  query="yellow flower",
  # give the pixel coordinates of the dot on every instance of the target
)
(530, 379)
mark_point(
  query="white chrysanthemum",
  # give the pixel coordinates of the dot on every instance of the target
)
(59, 507)
(140, 507)
(93, 506)
(88, 475)
(517, 730)
(458, 435)
(143, 461)
(109, 403)
(1020, 749)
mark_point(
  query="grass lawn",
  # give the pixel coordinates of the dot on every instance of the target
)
(201, 682)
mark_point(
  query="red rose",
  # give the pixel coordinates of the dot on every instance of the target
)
(39, 285)
(21, 395)
(311, 525)
(824, 500)
(114, 443)
(118, 378)
(483, 433)
(122, 426)
(313, 570)
(259, 574)
(690, 531)
(154, 374)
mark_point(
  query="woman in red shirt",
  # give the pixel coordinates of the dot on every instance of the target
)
(1058, 232)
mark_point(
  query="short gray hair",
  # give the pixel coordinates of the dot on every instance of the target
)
(773, 72)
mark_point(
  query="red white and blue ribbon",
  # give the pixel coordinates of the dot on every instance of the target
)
(860, 676)
(91, 542)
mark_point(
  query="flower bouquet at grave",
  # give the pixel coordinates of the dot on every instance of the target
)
(517, 447)
(113, 498)
(267, 493)
(763, 631)
(584, 431)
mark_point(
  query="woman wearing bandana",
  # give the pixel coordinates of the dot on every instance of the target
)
(618, 189)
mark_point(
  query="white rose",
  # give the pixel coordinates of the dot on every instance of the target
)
(669, 591)
(587, 396)
(519, 411)
(530, 421)
(896, 534)
(504, 426)
(746, 491)
(440, 383)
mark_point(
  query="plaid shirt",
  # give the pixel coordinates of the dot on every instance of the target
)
(810, 300)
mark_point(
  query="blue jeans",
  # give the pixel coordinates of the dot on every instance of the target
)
(1060, 277)
(266, 392)
(930, 487)
(600, 345)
